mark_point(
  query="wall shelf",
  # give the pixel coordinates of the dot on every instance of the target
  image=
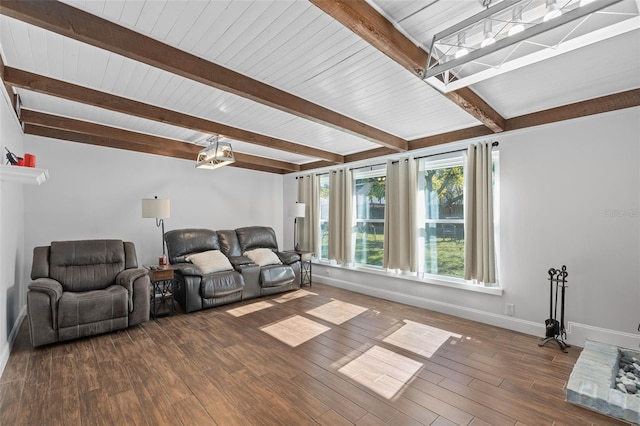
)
(24, 175)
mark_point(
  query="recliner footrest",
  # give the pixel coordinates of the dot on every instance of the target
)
(221, 284)
(93, 306)
(276, 275)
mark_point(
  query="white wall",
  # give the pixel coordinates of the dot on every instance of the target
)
(11, 235)
(570, 194)
(96, 192)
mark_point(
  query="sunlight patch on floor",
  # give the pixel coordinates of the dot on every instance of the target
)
(294, 295)
(295, 330)
(247, 309)
(381, 370)
(419, 338)
(337, 311)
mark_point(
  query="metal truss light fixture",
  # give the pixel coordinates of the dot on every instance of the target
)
(216, 154)
(516, 33)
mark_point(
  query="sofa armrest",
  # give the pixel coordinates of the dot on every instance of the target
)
(188, 269)
(238, 261)
(49, 286)
(288, 257)
(42, 306)
(127, 278)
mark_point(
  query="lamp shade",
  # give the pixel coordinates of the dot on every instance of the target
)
(297, 210)
(158, 208)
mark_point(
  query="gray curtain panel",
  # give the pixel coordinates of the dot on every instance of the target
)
(479, 244)
(400, 215)
(340, 215)
(308, 227)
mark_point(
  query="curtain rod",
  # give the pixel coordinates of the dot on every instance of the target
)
(494, 143)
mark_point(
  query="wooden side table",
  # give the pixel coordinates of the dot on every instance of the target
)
(162, 300)
(305, 267)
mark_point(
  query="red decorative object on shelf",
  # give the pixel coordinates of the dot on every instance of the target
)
(29, 160)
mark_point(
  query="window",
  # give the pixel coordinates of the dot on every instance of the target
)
(324, 216)
(369, 192)
(440, 216)
(442, 187)
(441, 184)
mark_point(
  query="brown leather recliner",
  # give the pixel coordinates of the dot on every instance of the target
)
(82, 288)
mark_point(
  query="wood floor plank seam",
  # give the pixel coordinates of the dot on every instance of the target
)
(216, 368)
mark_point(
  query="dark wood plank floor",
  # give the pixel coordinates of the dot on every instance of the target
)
(229, 366)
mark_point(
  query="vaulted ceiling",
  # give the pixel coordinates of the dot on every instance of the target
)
(293, 85)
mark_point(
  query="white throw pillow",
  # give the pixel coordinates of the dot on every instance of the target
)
(263, 256)
(210, 261)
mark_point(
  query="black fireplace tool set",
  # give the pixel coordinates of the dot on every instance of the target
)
(555, 330)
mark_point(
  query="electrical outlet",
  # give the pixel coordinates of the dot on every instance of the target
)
(510, 309)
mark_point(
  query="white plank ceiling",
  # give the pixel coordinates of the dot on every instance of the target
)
(295, 47)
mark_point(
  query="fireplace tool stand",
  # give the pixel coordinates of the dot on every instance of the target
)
(555, 330)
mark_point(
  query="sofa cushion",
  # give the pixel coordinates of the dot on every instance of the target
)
(87, 307)
(86, 265)
(210, 261)
(263, 257)
(229, 243)
(221, 284)
(183, 242)
(252, 237)
(276, 275)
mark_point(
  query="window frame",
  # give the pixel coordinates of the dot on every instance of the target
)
(446, 161)
(371, 172)
(434, 161)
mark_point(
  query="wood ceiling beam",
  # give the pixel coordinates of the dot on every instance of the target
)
(627, 99)
(48, 132)
(156, 145)
(7, 87)
(365, 155)
(79, 126)
(314, 165)
(469, 101)
(72, 92)
(370, 25)
(622, 100)
(82, 26)
(456, 135)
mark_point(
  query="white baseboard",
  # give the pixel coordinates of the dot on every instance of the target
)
(4, 356)
(577, 333)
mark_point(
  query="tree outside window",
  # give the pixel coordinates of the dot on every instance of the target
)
(369, 227)
(444, 220)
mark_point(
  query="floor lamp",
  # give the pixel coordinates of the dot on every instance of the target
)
(296, 211)
(158, 209)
